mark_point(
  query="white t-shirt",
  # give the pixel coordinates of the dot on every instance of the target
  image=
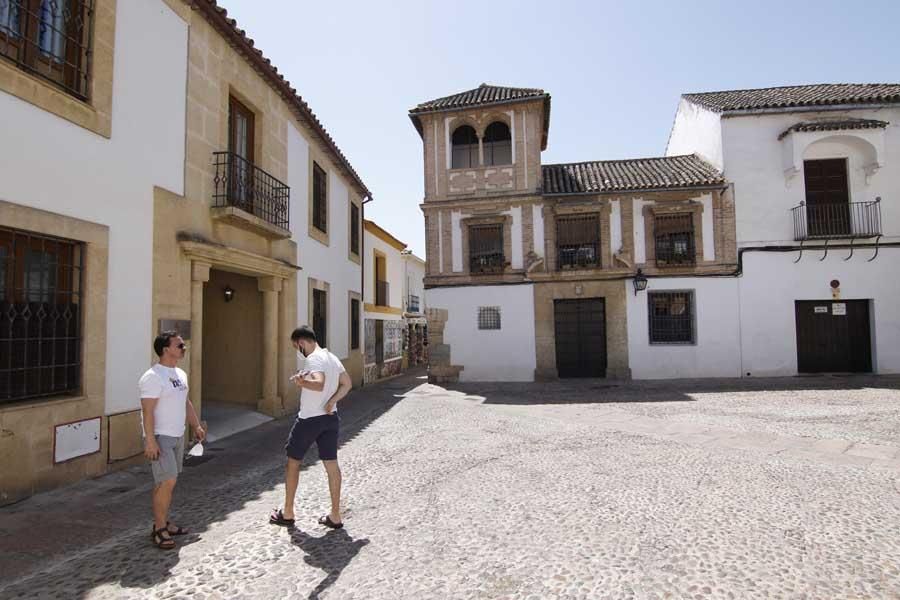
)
(171, 387)
(312, 404)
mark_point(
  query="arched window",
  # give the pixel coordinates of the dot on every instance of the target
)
(497, 144)
(465, 148)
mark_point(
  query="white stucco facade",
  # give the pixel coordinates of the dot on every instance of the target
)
(696, 131)
(414, 282)
(716, 349)
(63, 168)
(507, 354)
(327, 263)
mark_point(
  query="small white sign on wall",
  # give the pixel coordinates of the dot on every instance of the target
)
(72, 440)
(839, 308)
(821, 310)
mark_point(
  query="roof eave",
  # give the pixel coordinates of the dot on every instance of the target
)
(704, 187)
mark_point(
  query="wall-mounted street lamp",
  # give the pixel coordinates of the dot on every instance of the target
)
(640, 282)
(229, 293)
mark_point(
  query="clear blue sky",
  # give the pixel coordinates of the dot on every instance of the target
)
(615, 70)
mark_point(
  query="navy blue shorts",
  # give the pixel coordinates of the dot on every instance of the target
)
(323, 430)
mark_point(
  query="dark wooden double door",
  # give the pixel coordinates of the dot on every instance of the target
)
(833, 336)
(580, 329)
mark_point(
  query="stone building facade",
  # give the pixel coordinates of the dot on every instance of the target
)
(520, 252)
(198, 192)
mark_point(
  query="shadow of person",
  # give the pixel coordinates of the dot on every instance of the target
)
(331, 553)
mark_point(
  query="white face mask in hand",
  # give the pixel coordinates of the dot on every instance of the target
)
(197, 450)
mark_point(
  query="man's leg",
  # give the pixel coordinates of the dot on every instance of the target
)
(291, 479)
(334, 486)
(162, 499)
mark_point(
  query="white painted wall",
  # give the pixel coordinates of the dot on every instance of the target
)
(764, 195)
(716, 352)
(395, 275)
(772, 283)
(329, 263)
(60, 167)
(413, 281)
(537, 216)
(507, 354)
(696, 130)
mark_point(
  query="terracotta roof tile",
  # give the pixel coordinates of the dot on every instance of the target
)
(483, 94)
(628, 175)
(798, 95)
(834, 125)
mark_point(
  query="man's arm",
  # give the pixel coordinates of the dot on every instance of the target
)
(194, 421)
(314, 382)
(345, 384)
(151, 448)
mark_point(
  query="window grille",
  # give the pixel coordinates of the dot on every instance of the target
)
(320, 316)
(465, 148)
(354, 228)
(486, 248)
(671, 317)
(40, 315)
(497, 144)
(50, 39)
(488, 317)
(578, 242)
(354, 324)
(674, 239)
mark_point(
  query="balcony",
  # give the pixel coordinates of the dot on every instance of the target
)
(837, 221)
(382, 293)
(413, 304)
(248, 197)
(578, 256)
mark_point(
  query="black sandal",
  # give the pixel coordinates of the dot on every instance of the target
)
(277, 518)
(179, 531)
(161, 542)
(327, 522)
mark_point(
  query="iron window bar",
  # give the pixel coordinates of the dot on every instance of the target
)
(241, 184)
(674, 240)
(846, 220)
(50, 39)
(488, 317)
(671, 317)
(40, 315)
(486, 249)
(413, 303)
(578, 242)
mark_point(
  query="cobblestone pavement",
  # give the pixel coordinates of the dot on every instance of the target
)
(769, 489)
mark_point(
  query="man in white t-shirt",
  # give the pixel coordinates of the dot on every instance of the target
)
(323, 382)
(164, 408)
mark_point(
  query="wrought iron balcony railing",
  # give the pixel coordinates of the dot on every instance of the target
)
(382, 293)
(578, 256)
(838, 220)
(487, 263)
(241, 184)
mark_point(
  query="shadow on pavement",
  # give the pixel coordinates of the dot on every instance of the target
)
(78, 543)
(331, 553)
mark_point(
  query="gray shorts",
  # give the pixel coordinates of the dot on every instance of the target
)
(171, 458)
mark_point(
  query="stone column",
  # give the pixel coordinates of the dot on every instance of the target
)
(199, 276)
(270, 403)
(440, 370)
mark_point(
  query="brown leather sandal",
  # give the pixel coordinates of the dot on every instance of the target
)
(163, 543)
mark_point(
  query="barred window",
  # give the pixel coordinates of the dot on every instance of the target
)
(671, 317)
(674, 235)
(320, 199)
(40, 315)
(320, 317)
(354, 324)
(50, 39)
(486, 248)
(578, 241)
(488, 317)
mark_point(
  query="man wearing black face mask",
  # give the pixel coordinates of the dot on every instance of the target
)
(322, 383)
